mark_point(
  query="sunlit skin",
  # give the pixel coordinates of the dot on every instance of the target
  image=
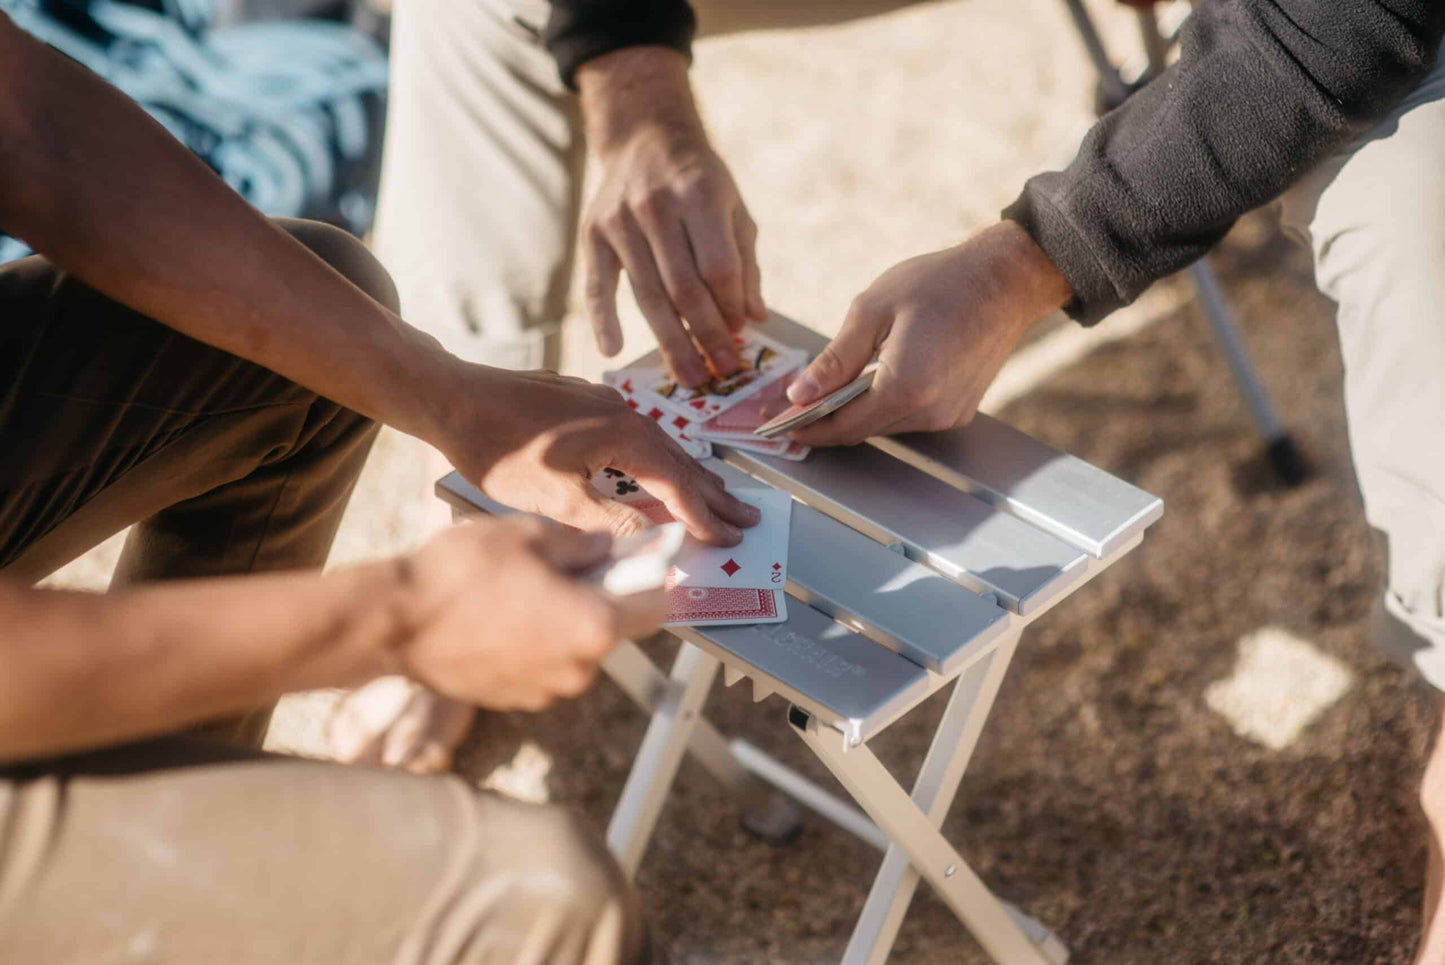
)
(81, 670)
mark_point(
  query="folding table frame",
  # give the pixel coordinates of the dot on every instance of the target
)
(892, 600)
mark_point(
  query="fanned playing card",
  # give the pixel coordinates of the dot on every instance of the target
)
(764, 361)
(680, 427)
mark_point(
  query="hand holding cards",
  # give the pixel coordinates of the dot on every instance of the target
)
(795, 417)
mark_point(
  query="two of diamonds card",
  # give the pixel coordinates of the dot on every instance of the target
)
(712, 585)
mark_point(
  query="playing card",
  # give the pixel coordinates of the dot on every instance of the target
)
(743, 419)
(704, 606)
(782, 448)
(795, 417)
(680, 427)
(759, 562)
(639, 562)
(616, 484)
(764, 362)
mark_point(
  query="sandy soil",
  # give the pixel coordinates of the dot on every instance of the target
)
(1109, 796)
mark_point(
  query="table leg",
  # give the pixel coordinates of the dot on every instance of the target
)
(653, 769)
(764, 811)
(933, 792)
(915, 835)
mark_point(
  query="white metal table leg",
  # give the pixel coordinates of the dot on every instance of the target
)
(870, 784)
(657, 760)
(764, 810)
(933, 792)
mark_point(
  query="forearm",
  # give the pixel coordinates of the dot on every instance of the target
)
(91, 181)
(79, 670)
(1263, 91)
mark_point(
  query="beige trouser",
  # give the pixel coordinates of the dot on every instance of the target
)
(186, 851)
(183, 850)
(482, 171)
(479, 200)
(1373, 215)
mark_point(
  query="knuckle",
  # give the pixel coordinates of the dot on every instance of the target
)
(690, 297)
(579, 681)
(654, 202)
(719, 272)
(699, 189)
(862, 306)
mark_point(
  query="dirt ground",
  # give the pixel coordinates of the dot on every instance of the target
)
(1109, 796)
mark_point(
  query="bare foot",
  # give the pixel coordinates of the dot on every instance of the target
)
(394, 722)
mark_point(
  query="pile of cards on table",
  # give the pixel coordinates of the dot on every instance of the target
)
(705, 585)
(725, 410)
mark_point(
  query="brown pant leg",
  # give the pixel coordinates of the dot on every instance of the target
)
(182, 851)
(109, 419)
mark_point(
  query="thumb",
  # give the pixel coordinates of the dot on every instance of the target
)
(840, 362)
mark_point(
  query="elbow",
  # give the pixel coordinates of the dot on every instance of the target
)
(23, 167)
(1386, 62)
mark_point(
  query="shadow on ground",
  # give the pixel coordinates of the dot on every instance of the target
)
(1106, 797)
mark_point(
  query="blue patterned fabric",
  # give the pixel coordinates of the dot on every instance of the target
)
(288, 112)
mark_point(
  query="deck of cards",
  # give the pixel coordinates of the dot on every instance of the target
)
(726, 410)
(709, 585)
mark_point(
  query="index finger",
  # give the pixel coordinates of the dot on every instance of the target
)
(693, 496)
(719, 262)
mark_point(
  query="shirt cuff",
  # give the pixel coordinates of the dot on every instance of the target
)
(581, 30)
(1095, 294)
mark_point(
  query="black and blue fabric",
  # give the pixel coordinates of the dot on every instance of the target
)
(288, 112)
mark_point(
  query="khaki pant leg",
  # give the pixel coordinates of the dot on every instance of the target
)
(482, 168)
(1374, 216)
(180, 851)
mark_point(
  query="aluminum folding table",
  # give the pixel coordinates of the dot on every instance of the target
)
(915, 562)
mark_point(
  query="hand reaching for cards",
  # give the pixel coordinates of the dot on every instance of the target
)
(496, 617)
(942, 325)
(667, 211)
(533, 440)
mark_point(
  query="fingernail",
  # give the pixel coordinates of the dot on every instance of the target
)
(803, 389)
(726, 360)
(752, 513)
(733, 532)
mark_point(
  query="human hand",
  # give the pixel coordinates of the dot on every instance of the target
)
(495, 615)
(533, 440)
(942, 324)
(667, 211)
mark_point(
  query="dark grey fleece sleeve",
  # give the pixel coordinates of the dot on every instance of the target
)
(1262, 91)
(579, 30)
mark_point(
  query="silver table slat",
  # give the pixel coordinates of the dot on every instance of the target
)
(843, 677)
(858, 582)
(964, 539)
(880, 593)
(1079, 503)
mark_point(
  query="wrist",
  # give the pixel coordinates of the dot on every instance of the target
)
(392, 607)
(1032, 273)
(638, 93)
